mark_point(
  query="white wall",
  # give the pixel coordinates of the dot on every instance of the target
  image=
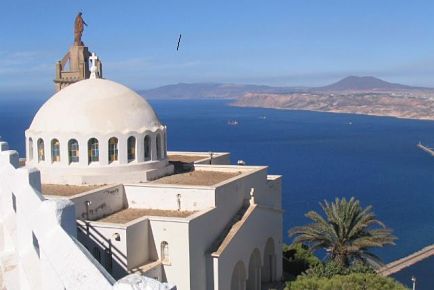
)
(99, 235)
(103, 201)
(219, 158)
(175, 232)
(131, 250)
(274, 183)
(253, 234)
(204, 230)
(231, 196)
(47, 256)
(103, 139)
(159, 196)
(190, 239)
(100, 172)
(138, 251)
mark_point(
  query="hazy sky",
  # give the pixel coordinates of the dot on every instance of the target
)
(286, 43)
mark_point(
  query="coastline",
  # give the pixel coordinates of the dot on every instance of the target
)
(335, 112)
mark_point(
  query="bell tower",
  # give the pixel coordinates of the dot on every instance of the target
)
(74, 66)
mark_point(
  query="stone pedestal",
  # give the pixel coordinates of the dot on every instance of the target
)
(79, 60)
(73, 67)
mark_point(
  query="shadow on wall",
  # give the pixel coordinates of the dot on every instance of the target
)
(111, 257)
(102, 249)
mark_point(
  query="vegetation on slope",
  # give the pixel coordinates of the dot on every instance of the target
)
(346, 233)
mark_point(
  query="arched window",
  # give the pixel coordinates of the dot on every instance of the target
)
(158, 143)
(147, 148)
(165, 144)
(269, 262)
(41, 150)
(73, 151)
(238, 281)
(55, 150)
(131, 149)
(254, 277)
(30, 149)
(93, 150)
(113, 149)
(165, 252)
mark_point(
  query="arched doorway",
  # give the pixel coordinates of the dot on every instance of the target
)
(41, 150)
(158, 144)
(238, 281)
(55, 150)
(73, 151)
(113, 149)
(131, 148)
(269, 263)
(93, 150)
(254, 278)
(147, 145)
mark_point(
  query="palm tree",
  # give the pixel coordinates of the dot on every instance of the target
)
(346, 233)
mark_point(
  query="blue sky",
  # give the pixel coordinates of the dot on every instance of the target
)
(284, 43)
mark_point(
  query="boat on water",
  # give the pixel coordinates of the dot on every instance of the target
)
(233, 123)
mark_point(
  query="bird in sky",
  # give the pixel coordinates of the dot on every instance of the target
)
(179, 41)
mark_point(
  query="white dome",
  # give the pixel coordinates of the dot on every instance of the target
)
(95, 106)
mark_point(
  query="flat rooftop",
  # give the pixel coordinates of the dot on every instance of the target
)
(66, 190)
(197, 177)
(126, 215)
(186, 158)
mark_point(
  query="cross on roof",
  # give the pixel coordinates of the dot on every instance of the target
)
(93, 69)
(93, 59)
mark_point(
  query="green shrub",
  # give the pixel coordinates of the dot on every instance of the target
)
(297, 259)
(332, 268)
(354, 281)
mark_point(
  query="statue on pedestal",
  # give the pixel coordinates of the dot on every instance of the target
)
(74, 66)
(78, 29)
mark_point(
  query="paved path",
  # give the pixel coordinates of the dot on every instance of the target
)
(405, 262)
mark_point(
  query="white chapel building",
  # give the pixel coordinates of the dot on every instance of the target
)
(99, 203)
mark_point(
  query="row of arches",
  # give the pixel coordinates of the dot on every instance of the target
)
(260, 269)
(93, 149)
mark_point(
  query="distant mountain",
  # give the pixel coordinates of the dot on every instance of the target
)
(207, 91)
(235, 91)
(367, 83)
(354, 95)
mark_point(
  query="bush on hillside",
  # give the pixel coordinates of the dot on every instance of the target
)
(297, 259)
(354, 281)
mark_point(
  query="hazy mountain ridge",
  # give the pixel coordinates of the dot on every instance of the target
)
(232, 91)
(359, 95)
(208, 91)
(364, 83)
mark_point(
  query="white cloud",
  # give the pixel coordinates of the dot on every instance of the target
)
(22, 62)
(146, 64)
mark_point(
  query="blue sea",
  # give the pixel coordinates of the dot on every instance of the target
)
(320, 155)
